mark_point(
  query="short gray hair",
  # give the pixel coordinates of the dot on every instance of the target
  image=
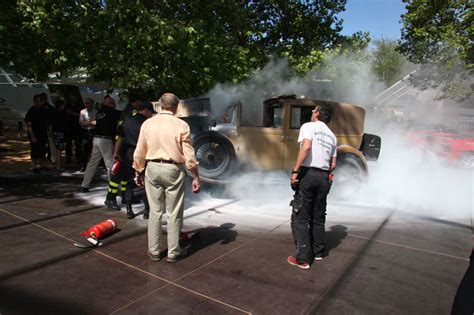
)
(169, 101)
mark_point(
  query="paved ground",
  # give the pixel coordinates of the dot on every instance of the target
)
(379, 261)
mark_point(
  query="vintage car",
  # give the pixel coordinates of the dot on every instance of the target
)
(272, 143)
(454, 148)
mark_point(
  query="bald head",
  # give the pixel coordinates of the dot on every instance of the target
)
(169, 101)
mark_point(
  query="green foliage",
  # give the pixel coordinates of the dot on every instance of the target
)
(388, 64)
(438, 34)
(181, 46)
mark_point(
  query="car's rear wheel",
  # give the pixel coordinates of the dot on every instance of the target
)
(467, 160)
(349, 175)
(215, 154)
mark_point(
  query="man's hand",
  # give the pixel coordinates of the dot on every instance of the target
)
(294, 179)
(33, 140)
(140, 180)
(196, 185)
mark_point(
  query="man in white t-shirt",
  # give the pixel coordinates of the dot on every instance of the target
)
(311, 178)
(87, 122)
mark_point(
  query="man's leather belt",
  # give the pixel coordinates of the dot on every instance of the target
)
(103, 137)
(316, 169)
(163, 161)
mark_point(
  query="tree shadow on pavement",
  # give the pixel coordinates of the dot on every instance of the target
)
(335, 236)
(223, 234)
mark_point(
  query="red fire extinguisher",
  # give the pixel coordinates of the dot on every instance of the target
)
(185, 236)
(115, 168)
(100, 230)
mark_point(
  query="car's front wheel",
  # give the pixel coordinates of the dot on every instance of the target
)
(467, 160)
(215, 154)
(348, 175)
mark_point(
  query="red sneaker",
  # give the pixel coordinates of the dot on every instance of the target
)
(292, 261)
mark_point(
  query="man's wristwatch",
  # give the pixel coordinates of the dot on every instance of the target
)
(294, 172)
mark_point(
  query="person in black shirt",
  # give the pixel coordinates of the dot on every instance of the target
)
(50, 109)
(58, 123)
(73, 132)
(102, 143)
(119, 179)
(37, 125)
(127, 137)
(133, 105)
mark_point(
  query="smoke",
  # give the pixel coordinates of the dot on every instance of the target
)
(412, 179)
(406, 177)
(341, 79)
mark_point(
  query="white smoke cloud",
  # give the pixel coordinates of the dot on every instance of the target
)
(405, 177)
(355, 85)
(411, 179)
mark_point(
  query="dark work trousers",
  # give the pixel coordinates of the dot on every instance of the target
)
(464, 301)
(125, 178)
(70, 136)
(308, 224)
(38, 149)
(129, 175)
(86, 144)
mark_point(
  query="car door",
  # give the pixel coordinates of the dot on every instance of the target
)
(297, 115)
(264, 146)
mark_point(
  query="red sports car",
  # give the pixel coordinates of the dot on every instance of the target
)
(455, 148)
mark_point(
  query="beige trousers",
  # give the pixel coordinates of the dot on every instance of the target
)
(164, 186)
(101, 149)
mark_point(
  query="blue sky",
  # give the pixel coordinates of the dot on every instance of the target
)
(379, 17)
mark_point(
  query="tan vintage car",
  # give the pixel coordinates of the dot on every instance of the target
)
(270, 141)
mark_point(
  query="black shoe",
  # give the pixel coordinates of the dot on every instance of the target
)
(130, 214)
(146, 214)
(112, 204)
(84, 189)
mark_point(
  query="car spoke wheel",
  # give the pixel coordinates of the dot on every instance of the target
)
(215, 155)
(467, 160)
(348, 176)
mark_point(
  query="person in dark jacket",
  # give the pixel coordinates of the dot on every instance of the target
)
(107, 118)
(117, 181)
(58, 123)
(127, 137)
(37, 124)
(73, 133)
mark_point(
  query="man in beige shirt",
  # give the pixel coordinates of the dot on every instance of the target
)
(163, 147)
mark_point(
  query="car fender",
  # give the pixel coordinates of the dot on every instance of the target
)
(346, 149)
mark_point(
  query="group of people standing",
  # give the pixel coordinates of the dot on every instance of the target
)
(53, 129)
(154, 150)
(153, 153)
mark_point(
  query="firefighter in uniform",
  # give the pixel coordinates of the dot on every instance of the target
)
(103, 144)
(117, 180)
(127, 137)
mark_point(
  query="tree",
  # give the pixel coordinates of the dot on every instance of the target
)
(388, 64)
(438, 35)
(39, 37)
(182, 46)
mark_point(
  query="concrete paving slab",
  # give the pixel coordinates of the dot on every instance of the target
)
(444, 236)
(396, 280)
(7, 220)
(237, 265)
(171, 299)
(29, 248)
(83, 284)
(31, 214)
(412, 265)
(211, 244)
(257, 278)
